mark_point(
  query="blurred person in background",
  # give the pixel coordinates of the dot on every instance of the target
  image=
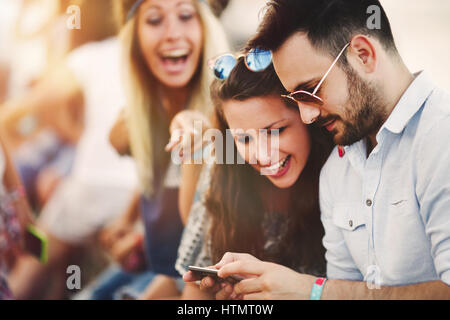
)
(166, 46)
(100, 184)
(35, 41)
(15, 215)
(37, 37)
(34, 37)
(7, 8)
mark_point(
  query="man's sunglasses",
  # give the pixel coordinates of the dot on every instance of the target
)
(303, 96)
(256, 60)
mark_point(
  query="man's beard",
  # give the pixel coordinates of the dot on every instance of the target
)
(366, 113)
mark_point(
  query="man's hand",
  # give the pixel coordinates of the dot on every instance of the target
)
(269, 281)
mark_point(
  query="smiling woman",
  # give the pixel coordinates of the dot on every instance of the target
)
(166, 47)
(284, 161)
(170, 37)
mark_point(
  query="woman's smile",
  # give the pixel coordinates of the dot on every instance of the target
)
(175, 61)
(278, 169)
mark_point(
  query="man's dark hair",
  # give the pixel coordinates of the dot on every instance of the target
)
(329, 24)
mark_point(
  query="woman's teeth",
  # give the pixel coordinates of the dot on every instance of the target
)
(281, 164)
(175, 54)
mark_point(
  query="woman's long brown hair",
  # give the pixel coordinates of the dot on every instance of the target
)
(235, 198)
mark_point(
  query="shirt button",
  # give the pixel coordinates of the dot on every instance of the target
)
(369, 203)
(350, 223)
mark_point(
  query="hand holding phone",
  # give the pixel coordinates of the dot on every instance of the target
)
(213, 273)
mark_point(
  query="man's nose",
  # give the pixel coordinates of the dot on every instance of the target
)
(308, 113)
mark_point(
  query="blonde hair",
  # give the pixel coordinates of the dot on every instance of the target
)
(142, 96)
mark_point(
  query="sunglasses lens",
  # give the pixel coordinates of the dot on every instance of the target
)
(258, 59)
(306, 97)
(223, 66)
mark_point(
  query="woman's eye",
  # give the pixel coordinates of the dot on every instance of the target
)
(186, 16)
(154, 21)
(276, 132)
(244, 139)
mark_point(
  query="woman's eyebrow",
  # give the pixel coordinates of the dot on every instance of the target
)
(240, 133)
(151, 8)
(189, 3)
(268, 127)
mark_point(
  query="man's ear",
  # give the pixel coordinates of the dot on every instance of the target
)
(363, 53)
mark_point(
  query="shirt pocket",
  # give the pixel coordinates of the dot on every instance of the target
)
(348, 217)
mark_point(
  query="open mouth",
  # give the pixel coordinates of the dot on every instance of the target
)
(175, 60)
(279, 168)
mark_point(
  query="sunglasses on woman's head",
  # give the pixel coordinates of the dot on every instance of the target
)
(256, 60)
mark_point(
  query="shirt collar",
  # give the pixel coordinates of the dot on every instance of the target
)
(410, 103)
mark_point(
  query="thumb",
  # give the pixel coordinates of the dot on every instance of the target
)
(226, 259)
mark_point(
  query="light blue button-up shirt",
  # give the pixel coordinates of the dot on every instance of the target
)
(389, 214)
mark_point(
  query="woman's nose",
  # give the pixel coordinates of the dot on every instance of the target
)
(174, 29)
(263, 151)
